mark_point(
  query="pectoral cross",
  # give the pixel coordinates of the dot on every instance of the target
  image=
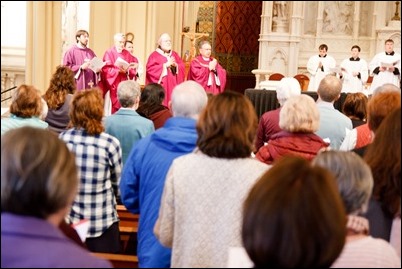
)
(193, 37)
(91, 83)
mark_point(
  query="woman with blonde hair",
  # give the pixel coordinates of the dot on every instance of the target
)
(299, 119)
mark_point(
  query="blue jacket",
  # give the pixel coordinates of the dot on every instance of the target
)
(143, 179)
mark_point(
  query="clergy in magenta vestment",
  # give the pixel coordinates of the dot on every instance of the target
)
(213, 81)
(112, 74)
(74, 58)
(165, 67)
(157, 71)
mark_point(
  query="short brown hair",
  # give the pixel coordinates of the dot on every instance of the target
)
(26, 102)
(294, 219)
(227, 126)
(355, 104)
(38, 173)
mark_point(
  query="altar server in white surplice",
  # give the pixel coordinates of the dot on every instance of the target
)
(385, 67)
(319, 66)
(354, 72)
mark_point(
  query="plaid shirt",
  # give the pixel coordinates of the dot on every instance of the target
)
(99, 160)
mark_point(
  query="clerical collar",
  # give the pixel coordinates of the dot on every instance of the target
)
(391, 53)
(164, 51)
(322, 56)
(81, 46)
(354, 60)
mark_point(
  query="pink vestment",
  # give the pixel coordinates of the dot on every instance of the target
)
(111, 76)
(74, 58)
(156, 72)
(212, 82)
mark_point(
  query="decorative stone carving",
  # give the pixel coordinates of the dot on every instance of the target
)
(338, 16)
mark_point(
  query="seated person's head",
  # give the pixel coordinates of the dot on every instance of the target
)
(353, 176)
(387, 87)
(38, 174)
(26, 102)
(188, 99)
(86, 111)
(329, 89)
(299, 115)
(153, 94)
(355, 106)
(128, 93)
(381, 105)
(287, 88)
(227, 126)
(294, 217)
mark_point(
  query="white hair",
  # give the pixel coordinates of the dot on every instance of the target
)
(188, 99)
(287, 88)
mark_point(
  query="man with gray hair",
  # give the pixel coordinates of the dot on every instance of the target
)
(269, 121)
(144, 174)
(126, 124)
(333, 123)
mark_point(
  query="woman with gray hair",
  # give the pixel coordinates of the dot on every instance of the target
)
(299, 119)
(355, 184)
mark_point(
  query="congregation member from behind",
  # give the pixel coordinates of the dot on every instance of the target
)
(379, 106)
(98, 157)
(144, 173)
(269, 121)
(384, 158)
(319, 66)
(38, 184)
(355, 108)
(78, 59)
(385, 67)
(25, 110)
(58, 98)
(354, 72)
(151, 105)
(294, 220)
(333, 123)
(200, 212)
(126, 124)
(165, 66)
(206, 70)
(299, 119)
(355, 183)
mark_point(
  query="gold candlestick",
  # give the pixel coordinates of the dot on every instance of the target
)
(396, 15)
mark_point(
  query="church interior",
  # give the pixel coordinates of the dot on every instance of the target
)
(251, 40)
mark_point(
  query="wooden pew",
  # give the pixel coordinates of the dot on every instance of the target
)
(128, 225)
(119, 260)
